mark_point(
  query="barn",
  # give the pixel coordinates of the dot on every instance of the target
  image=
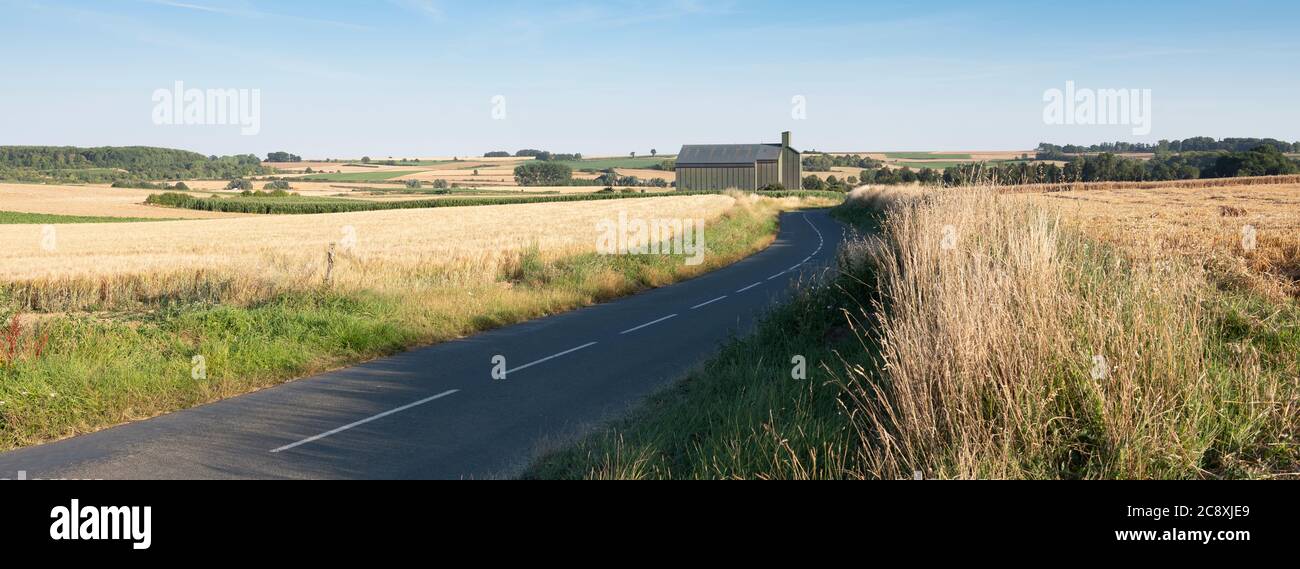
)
(704, 167)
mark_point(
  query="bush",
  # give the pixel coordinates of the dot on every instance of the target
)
(813, 183)
(772, 188)
(239, 184)
(413, 184)
(277, 185)
(136, 184)
(172, 199)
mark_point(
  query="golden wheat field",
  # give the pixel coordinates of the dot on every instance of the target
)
(247, 258)
(91, 201)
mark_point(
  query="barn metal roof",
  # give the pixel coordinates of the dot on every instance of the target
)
(727, 154)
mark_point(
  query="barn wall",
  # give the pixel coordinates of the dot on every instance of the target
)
(768, 173)
(792, 166)
(709, 178)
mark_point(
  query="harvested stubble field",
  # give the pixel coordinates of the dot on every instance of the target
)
(1208, 224)
(1204, 222)
(121, 311)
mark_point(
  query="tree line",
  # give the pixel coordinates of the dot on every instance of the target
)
(542, 155)
(112, 164)
(1047, 151)
(1262, 160)
(824, 162)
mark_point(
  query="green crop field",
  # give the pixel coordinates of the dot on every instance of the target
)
(19, 218)
(642, 162)
(925, 156)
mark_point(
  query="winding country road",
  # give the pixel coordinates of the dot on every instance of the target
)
(436, 412)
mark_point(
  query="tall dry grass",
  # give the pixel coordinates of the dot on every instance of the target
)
(1012, 347)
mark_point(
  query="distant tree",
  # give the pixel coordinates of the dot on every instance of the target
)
(365, 159)
(653, 152)
(497, 154)
(283, 157)
(440, 184)
(543, 174)
(413, 184)
(813, 183)
(1263, 160)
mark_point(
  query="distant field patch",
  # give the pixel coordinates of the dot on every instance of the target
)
(420, 163)
(925, 156)
(935, 165)
(290, 205)
(378, 176)
(19, 218)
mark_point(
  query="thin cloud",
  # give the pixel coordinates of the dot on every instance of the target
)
(428, 8)
(255, 14)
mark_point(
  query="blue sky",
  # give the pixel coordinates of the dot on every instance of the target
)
(417, 77)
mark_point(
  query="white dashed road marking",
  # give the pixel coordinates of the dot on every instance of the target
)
(366, 420)
(702, 305)
(549, 358)
(648, 324)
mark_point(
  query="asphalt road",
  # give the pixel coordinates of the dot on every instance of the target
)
(436, 412)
